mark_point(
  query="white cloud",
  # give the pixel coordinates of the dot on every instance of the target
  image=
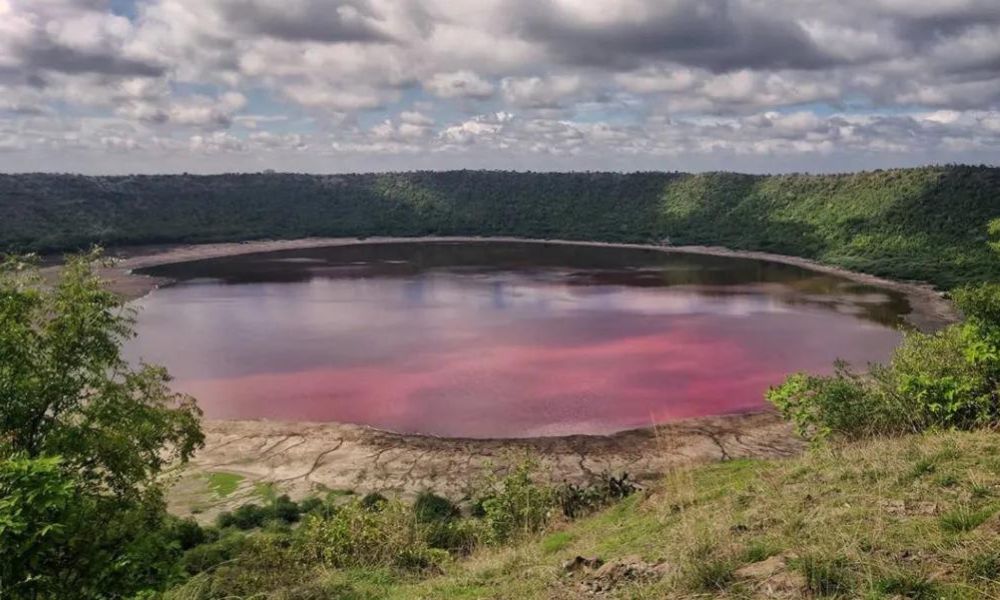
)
(703, 84)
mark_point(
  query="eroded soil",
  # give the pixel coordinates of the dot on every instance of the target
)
(304, 458)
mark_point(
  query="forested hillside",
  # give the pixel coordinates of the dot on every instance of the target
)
(927, 223)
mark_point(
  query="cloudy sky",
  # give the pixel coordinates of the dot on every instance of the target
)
(118, 86)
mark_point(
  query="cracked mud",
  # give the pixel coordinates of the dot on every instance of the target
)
(304, 458)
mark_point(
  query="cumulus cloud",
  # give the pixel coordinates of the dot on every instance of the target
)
(374, 84)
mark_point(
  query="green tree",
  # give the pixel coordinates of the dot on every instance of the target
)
(84, 437)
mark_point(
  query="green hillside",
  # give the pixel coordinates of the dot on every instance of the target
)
(926, 223)
(912, 517)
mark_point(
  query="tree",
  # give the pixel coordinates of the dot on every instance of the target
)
(84, 437)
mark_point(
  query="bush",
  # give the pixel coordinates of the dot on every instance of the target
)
(946, 380)
(821, 406)
(251, 516)
(575, 500)
(430, 507)
(356, 536)
(188, 533)
(207, 556)
(243, 566)
(284, 509)
(247, 516)
(515, 505)
(373, 501)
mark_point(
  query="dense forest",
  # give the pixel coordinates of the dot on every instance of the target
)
(925, 223)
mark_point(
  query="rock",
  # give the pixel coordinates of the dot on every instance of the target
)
(763, 569)
(773, 578)
(631, 569)
(581, 563)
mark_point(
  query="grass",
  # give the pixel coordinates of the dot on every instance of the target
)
(556, 541)
(869, 520)
(908, 517)
(223, 484)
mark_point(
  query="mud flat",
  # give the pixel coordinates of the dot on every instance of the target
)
(303, 458)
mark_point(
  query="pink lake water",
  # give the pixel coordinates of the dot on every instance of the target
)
(497, 339)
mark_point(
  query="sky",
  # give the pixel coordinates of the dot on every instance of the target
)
(145, 86)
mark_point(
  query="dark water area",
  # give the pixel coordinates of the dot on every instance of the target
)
(499, 339)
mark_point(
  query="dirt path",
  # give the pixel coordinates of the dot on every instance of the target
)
(304, 458)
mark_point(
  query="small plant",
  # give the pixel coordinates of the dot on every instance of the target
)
(923, 466)
(825, 576)
(576, 501)
(984, 567)
(711, 574)
(515, 505)
(759, 550)
(963, 519)
(908, 585)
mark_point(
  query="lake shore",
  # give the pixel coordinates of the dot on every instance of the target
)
(300, 458)
(930, 309)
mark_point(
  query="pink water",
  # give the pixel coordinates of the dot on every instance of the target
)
(500, 340)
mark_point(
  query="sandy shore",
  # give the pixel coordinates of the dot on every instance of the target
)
(302, 458)
(930, 309)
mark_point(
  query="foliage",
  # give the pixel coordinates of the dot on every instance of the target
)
(65, 389)
(36, 502)
(251, 515)
(948, 379)
(926, 223)
(576, 500)
(355, 536)
(515, 505)
(430, 508)
(83, 439)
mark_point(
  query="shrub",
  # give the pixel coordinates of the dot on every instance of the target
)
(430, 507)
(515, 505)
(285, 509)
(210, 555)
(188, 533)
(356, 536)
(946, 380)
(247, 516)
(253, 566)
(251, 516)
(575, 500)
(459, 536)
(373, 501)
(821, 406)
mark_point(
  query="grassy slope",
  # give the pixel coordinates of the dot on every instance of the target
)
(908, 517)
(927, 223)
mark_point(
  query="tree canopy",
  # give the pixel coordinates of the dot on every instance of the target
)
(84, 438)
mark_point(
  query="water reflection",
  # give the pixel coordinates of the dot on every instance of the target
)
(500, 339)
